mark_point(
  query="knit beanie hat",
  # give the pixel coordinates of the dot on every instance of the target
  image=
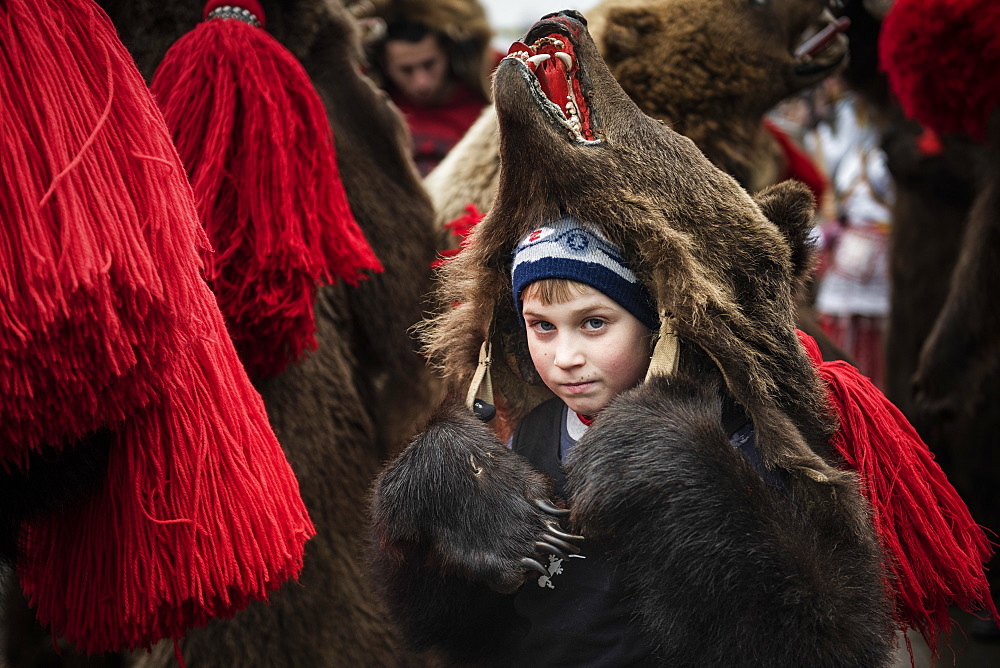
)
(568, 249)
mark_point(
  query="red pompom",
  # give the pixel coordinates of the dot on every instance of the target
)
(934, 550)
(255, 139)
(107, 322)
(942, 58)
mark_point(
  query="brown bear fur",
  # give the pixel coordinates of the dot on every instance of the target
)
(712, 69)
(711, 245)
(709, 68)
(724, 265)
(340, 411)
(933, 197)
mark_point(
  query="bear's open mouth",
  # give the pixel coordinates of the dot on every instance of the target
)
(556, 82)
(822, 47)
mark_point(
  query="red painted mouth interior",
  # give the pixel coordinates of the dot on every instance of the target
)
(553, 78)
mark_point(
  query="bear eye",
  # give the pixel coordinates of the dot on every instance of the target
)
(759, 3)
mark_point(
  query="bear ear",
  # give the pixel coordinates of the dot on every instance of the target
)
(790, 205)
(624, 32)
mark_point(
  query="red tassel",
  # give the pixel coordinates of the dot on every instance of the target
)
(81, 289)
(929, 143)
(460, 227)
(199, 512)
(934, 549)
(255, 139)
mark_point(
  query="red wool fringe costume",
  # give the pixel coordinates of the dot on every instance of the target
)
(254, 136)
(106, 322)
(934, 550)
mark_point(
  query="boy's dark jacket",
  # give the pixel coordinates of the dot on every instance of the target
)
(723, 569)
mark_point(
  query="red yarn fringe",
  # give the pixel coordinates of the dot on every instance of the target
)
(942, 59)
(82, 295)
(254, 136)
(102, 295)
(460, 227)
(934, 550)
(199, 514)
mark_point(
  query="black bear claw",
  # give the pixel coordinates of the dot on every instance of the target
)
(532, 565)
(551, 549)
(550, 509)
(558, 533)
(561, 544)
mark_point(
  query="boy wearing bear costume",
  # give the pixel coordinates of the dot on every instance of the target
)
(723, 544)
(590, 327)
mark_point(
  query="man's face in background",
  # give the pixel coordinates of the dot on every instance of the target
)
(419, 69)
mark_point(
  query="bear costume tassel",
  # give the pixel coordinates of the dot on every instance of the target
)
(934, 550)
(198, 511)
(82, 300)
(254, 137)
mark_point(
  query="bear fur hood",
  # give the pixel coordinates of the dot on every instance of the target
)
(720, 567)
(722, 265)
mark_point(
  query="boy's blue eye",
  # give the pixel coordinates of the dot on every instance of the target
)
(595, 323)
(544, 326)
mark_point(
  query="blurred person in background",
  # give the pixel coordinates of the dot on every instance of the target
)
(434, 59)
(853, 295)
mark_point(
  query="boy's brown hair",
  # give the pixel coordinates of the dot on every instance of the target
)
(554, 290)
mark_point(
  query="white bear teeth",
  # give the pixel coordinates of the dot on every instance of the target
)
(571, 110)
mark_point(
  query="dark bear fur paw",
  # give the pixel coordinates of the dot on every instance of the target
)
(460, 503)
(724, 569)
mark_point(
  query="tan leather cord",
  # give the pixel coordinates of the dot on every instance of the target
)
(666, 353)
(482, 385)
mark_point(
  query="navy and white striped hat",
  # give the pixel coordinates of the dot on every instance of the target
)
(568, 249)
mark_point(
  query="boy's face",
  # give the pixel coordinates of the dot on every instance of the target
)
(587, 349)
